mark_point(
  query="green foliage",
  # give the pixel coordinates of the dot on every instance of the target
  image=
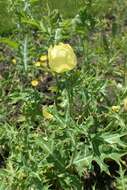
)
(6, 18)
(122, 180)
(75, 148)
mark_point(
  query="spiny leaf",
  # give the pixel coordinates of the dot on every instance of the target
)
(30, 22)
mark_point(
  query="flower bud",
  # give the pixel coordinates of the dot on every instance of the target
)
(115, 109)
(34, 83)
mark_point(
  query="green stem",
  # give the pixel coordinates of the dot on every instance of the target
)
(70, 98)
(57, 83)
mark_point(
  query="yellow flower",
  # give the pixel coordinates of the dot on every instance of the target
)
(61, 58)
(115, 109)
(37, 64)
(125, 104)
(13, 61)
(43, 58)
(46, 113)
(34, 82)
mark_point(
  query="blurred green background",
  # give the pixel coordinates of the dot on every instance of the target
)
(67, 8)
(10, 9)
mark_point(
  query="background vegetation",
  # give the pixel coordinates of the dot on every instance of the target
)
(70, 130)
